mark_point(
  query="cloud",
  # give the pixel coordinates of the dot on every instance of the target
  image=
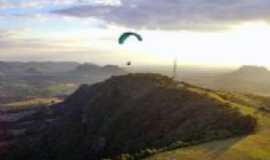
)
(7, 34)
(15, 47)
(4, 4)
(17, 42)
(16, 39)
(175, 14)
(7, 4)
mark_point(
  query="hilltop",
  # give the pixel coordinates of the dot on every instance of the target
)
(135, 115)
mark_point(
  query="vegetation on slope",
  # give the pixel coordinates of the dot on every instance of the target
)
(252, 147)
(136, 114)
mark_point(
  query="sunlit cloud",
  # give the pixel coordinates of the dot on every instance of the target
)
(175, 15)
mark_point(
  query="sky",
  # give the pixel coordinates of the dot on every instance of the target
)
(196, 32)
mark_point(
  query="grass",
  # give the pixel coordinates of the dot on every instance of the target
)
(222, 97)
(24, 104)
(59, 88)
(252, 147)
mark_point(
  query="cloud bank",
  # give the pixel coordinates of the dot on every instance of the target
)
(175, 14)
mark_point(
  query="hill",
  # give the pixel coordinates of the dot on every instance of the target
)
(136, 114)
(247, 79)
(251, 74)
(251, 79)
(252, 147)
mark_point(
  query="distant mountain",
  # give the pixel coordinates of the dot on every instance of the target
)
(136, 114)
(249, 73)
(253, 69)
(91, 73)
(47, 67)
(250, 79)
(86, 68)
(246, 79)
(22, 79)
(95, 69)
(33, 71)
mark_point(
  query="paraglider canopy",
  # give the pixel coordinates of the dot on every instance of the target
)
(122, 39)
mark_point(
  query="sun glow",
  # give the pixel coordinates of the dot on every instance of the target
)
(243, 44)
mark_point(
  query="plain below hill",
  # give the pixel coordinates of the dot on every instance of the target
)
(133, 116)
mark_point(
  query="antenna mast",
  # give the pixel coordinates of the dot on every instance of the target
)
(174, 68)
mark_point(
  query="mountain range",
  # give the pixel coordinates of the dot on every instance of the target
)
(22, 79)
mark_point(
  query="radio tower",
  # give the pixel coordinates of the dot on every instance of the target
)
(174, 68)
